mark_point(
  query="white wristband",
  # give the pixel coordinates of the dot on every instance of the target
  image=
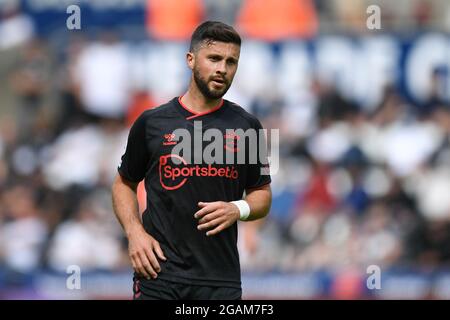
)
(244, 209)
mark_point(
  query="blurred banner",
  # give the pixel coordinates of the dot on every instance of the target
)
(362, 66)
(306, 285)
(51, 15)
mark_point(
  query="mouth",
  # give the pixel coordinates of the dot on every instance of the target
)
(218, 81)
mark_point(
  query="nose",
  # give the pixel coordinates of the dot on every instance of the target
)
(221, 68)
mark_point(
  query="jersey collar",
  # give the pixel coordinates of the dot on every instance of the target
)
(191, 114)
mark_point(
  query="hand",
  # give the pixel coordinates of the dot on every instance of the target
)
(217, 216)
(142, 248)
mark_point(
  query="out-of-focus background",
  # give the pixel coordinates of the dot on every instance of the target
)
(364, 120)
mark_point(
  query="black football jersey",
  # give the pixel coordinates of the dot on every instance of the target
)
(175, 183)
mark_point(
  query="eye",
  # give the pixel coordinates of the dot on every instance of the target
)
(214, 58)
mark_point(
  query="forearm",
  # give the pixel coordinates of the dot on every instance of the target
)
(143, 249)
(259, 201)
(218, 215)
(125, 205)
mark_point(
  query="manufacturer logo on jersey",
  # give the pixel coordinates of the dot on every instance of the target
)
(173, 176)
(169, 139)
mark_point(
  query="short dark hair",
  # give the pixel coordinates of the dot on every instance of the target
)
(214, 31)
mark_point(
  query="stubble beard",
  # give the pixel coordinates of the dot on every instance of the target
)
(202, 85)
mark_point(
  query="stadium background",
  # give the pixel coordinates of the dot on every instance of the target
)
(364, 119)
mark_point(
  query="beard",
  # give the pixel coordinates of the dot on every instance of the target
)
(202, 85)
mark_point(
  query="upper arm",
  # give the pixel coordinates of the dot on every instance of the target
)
(135, 160)
(122, 181)
(266, 188)
(260, 200)
(262, 187)
(258, 173)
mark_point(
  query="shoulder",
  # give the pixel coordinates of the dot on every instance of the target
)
(161, 111)
(242, 113)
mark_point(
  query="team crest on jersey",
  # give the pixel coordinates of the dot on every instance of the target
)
(231, 141)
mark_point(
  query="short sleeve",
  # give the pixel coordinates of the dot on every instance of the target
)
(258, 174)
(133, 166)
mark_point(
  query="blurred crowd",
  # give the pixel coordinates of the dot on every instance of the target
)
(358, 184)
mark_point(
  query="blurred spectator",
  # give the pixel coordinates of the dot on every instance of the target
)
(70, 111)
(436, 241)
(83, 150)
(85, 241)
(30, 80)
(160, 64)
(16, 28)
(355, 162)
(380, 241)
(422, 13)
(22, 234)
(102, 75)
(317, 198)
(438, 95)
(431, 189)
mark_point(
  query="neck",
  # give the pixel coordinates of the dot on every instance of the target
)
(196, 101)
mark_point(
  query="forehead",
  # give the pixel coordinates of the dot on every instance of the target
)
(226, 49)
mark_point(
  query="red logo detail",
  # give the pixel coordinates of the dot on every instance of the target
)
(169, 139)
(163, 164)
(231, 141)
(174, 176)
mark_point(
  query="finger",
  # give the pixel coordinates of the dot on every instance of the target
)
(210, 224)
(133, 264)
(159, 252)
(210, 216)
(211, 206)
(153, 261)
(216, 230)
(140, 268)
(147, 266)
(205, 210)
(200, 213)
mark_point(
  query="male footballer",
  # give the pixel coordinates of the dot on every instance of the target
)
(185, 245)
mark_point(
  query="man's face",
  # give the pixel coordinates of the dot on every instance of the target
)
(214, 65)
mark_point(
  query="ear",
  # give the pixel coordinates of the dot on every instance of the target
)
(190, 58)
